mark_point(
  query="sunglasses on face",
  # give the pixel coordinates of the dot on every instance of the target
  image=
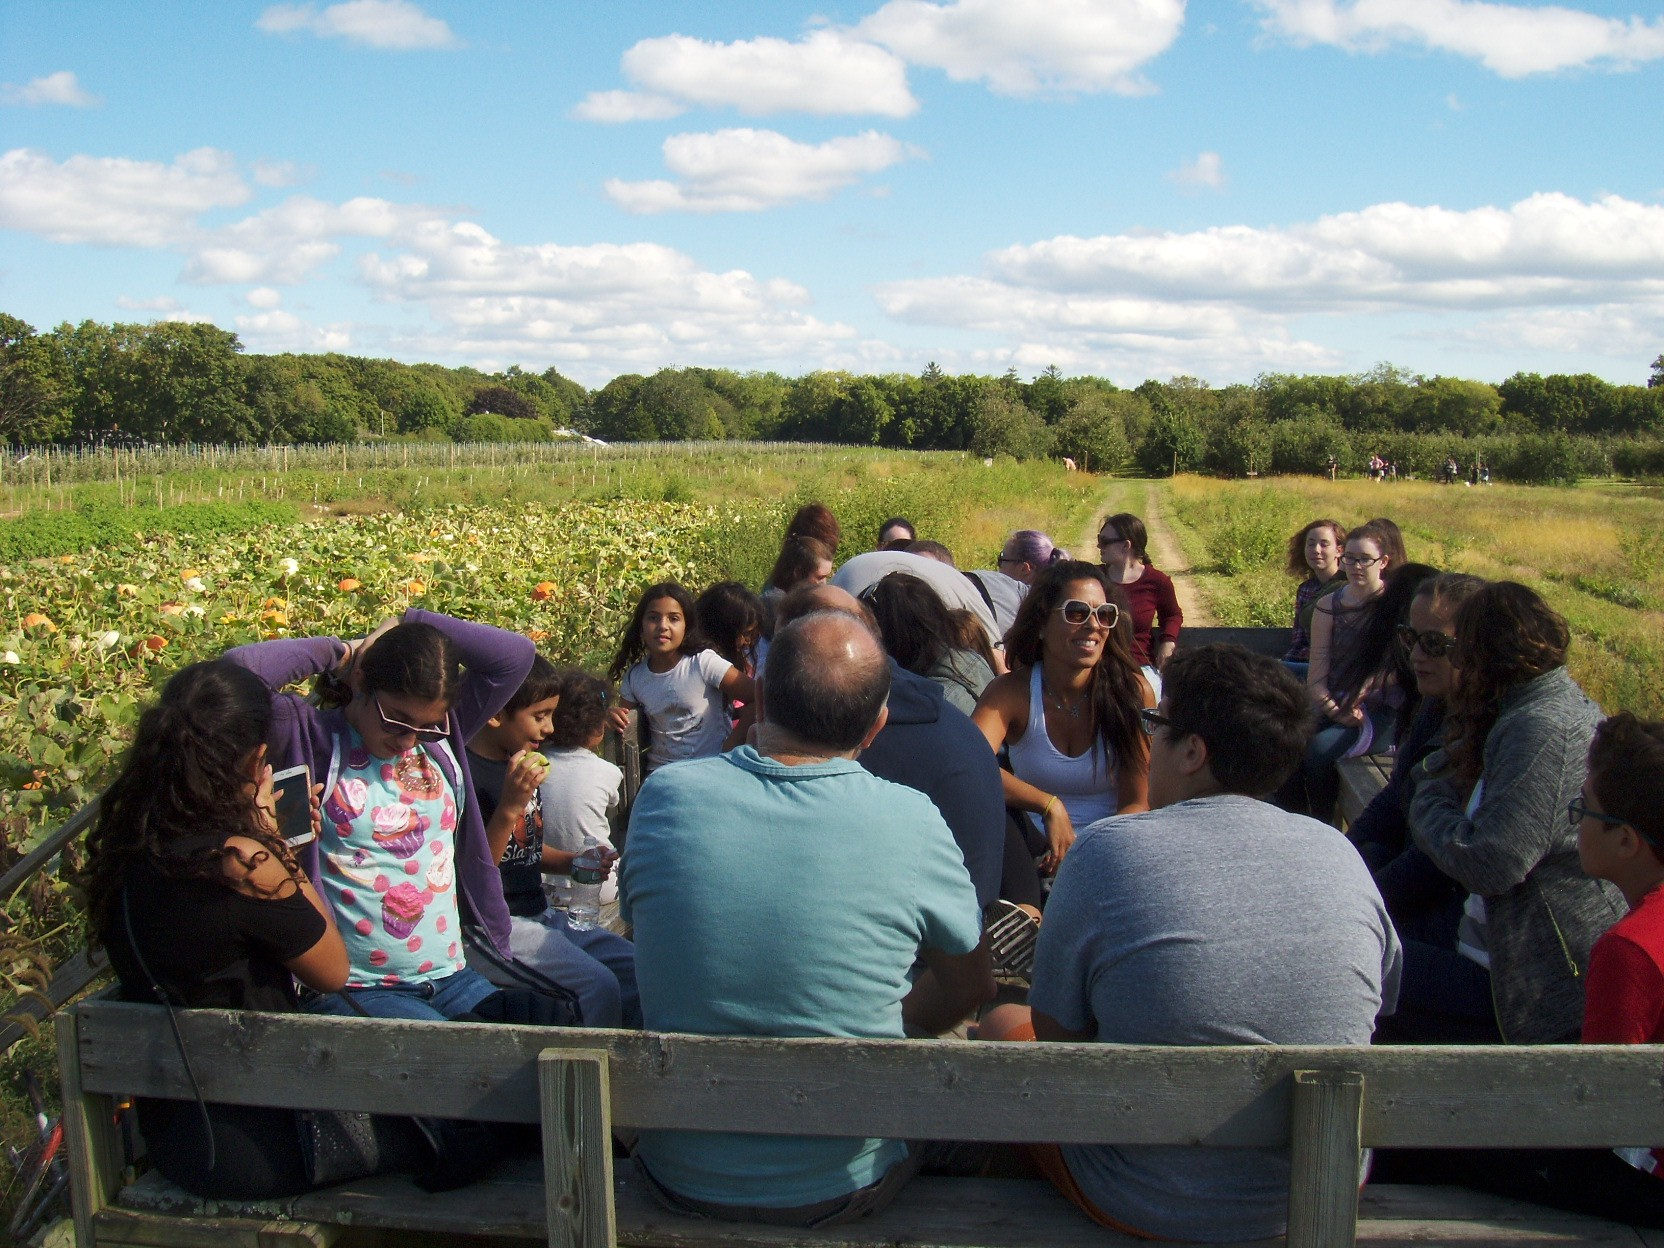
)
(1110, 541)
(398, 728)
(1152, 719)
(1077, 612)
(1434, 645)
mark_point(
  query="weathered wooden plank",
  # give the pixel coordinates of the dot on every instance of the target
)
(67, 982)
(50, 848)
(89, 1136)
(122, 1228)
(1360, 780)
(577, 1147)
(1570, 1095)
(1323, 1178)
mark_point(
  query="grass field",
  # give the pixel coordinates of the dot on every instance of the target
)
(1596, 553)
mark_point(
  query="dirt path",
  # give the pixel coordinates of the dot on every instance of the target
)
(1164, 550)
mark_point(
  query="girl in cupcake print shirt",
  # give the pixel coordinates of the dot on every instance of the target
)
(402, 861)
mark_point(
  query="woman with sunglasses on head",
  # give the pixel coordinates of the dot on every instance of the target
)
(1068, 712)
(1151, 598)
(402, 856)
(1490, 811)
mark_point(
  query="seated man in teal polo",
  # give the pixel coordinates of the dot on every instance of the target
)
(782, 890)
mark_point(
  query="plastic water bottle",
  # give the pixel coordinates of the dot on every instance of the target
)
(584, 908)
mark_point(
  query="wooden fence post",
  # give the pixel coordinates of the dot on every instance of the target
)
(90, 1139)
(1323, 1178)
(575, 1096)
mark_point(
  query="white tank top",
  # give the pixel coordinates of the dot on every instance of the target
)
(1085, 784)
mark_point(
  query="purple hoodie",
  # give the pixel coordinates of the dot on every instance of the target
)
(494, 663)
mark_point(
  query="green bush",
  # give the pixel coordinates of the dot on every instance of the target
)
(43, 534)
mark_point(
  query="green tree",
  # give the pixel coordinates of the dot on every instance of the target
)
(1656, 381)
(502, 401)
(35, 386)
(1093, 434)
(1005, 425)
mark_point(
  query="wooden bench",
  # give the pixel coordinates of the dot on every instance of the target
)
(580, 1085)
(1360, 780)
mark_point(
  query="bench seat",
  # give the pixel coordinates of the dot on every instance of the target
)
(949, 1212)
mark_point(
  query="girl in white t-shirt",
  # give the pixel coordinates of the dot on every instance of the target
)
(666, 671)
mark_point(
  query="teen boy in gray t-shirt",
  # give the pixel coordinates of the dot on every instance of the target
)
(1214, 919)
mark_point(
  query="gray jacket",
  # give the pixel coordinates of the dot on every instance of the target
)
(1518, 852)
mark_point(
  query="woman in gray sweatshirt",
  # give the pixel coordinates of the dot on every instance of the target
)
(1490, 811)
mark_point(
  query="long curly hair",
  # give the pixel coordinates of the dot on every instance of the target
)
(185, 777)
(630, 647)
(1117, 692)
(1506, 635)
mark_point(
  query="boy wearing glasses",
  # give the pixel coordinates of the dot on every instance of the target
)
(1213, 918)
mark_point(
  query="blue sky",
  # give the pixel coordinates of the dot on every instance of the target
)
(1131, 188)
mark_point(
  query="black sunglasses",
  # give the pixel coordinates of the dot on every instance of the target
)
(398, 728)
(1153, 719)
(1435, 645)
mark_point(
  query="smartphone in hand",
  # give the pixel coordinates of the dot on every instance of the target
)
(292, 797)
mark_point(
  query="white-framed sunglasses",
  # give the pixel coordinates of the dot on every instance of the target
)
(1077, 612)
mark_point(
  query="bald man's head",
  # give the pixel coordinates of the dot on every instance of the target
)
(825, 597)
(826, 679)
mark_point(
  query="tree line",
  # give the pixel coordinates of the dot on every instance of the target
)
(170, 382)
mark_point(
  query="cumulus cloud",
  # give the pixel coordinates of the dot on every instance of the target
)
(395, 25)
(828, 72)
(749, 170)
(1231, 293)
(286, 243)
(284, 331)
(59, 88)
(281, 172)
(1020, 47)
(618, 106)
(1206, 172)
(263, 297)
(113, 201)
(1509, 39)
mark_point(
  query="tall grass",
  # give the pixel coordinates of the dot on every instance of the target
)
(1594, 552)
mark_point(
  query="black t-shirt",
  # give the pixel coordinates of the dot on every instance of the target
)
(522, 864)
(208, 945)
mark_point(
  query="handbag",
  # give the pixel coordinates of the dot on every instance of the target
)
(337, 1146)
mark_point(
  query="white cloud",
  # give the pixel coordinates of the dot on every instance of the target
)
(264, 298)
(1020, 47)
(1551, 269)
(749, 170)
(284, 331)
(616, 106)
(396, 25)
(281, 172)
(1509, 39)
(828, 72)
(161, 303)
(114, 201)
(286, 243)
(1206, 172)
(59, 88)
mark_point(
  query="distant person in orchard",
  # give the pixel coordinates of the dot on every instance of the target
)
(852, 885)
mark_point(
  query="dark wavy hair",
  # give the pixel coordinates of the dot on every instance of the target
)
(415, 660)
(582, 710)
(913, 621)
(798, 559)
(1506, 635)
(1297, 565)
(1117, 685)
(630, 649)
(817, 521)
(185, 777)
(1626, 774)
(727, 611)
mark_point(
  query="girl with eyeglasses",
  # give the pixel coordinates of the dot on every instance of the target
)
(1354, 694)
(402, 857)
(1067, 715)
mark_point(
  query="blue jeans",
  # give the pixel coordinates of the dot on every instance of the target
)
(1329, 744)
(437, 1000)
(1443, 998)
(597, 966)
